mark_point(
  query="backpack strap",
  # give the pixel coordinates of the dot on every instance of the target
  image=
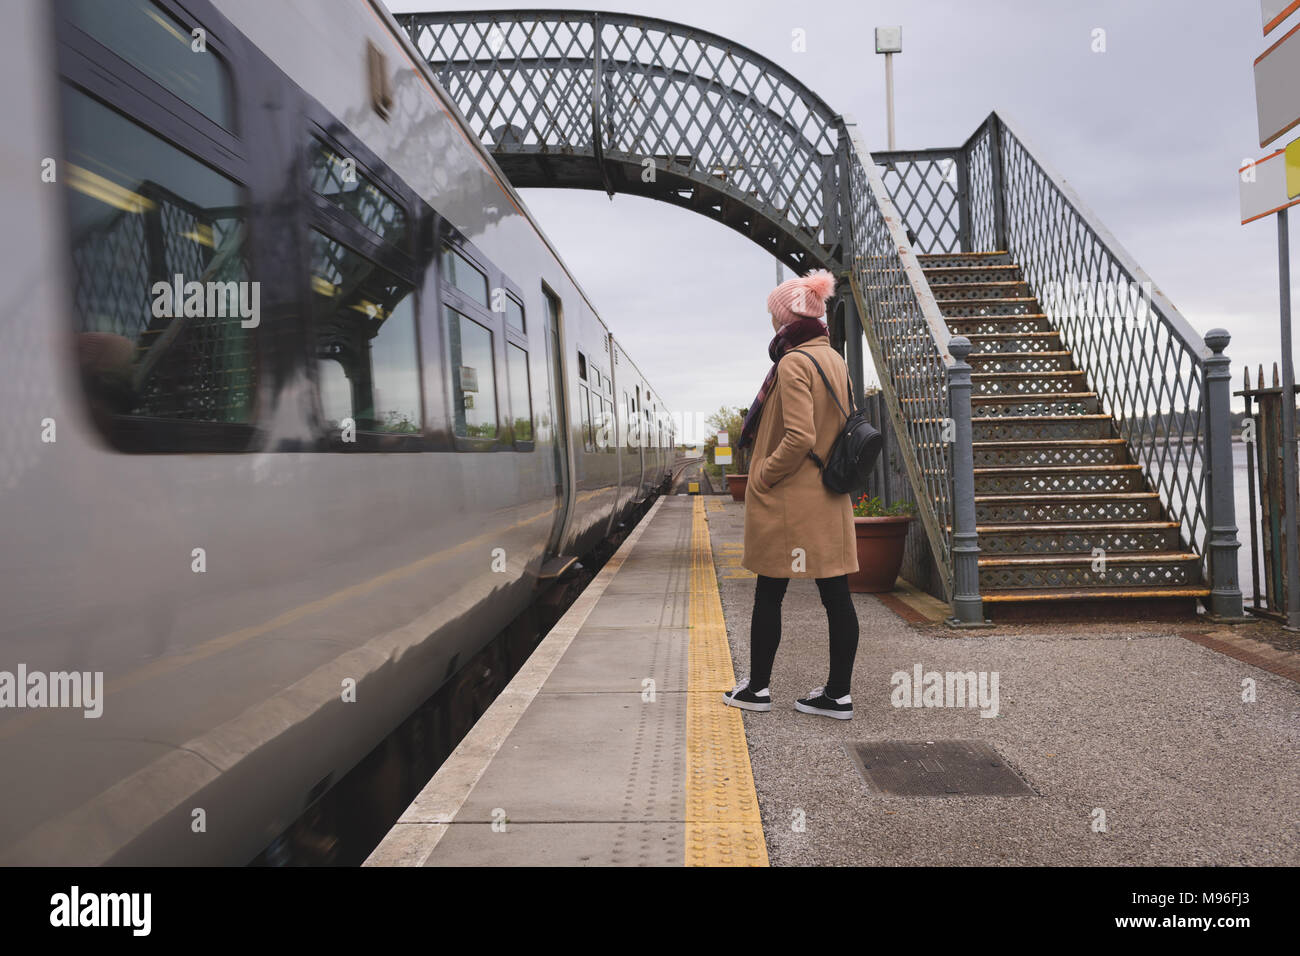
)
(821, 466)
(829, 387)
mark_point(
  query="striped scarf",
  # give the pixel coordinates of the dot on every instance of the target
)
(791, 336)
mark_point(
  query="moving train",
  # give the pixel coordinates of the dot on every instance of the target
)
(300, 408)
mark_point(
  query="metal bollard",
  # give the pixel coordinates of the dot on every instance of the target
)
(967, 606)
(1225, 590)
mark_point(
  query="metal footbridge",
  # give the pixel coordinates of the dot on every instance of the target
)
(1047, 404)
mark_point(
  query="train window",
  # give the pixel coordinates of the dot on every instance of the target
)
(365, 342)
(584, 412)
(521, 400)
(160, 47)
(336, 179)
(465, 276)
(167, 313)
(514, 314)
(473, 376)
(582, 366)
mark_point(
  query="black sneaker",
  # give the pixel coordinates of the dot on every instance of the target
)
(818, 703)
(746, 699)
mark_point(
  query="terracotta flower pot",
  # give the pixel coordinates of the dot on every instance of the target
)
(736, 485)
(880, 553)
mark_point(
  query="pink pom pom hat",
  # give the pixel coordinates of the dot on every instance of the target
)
(801, 297)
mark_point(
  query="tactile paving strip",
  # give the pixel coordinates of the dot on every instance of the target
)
(723, 827)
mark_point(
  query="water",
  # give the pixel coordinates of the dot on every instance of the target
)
(1241, 494)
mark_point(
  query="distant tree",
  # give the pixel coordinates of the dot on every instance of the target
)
(729, 420)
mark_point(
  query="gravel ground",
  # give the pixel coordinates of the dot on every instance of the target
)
(1127, 721)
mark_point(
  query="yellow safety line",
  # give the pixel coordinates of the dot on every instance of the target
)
(723, 827)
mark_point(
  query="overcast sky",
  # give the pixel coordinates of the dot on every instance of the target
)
(1150, 133)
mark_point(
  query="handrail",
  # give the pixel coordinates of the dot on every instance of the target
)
(908, 339)
(1137, 351)
(1178, 324)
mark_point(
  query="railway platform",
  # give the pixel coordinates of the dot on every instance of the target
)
(1080, 744)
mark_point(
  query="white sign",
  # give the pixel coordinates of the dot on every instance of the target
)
(722, 455)
(1262, 187)
(1274, 12)
(724, 438)
(889, 39)
(1277, 87)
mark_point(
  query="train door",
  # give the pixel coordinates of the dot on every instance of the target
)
(620, 419)
(640, 442)
(559, 419)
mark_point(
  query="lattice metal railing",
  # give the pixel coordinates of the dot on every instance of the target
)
(928, 188)
(985, 222)
(1137, 352)
(637, 104)
(907, 336)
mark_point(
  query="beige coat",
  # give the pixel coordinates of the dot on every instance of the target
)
(786, 505)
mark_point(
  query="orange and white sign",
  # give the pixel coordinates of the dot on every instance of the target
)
(1263, 185)
(1277, 87)
(1275, 12)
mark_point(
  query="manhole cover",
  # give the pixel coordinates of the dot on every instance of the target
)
(938, 768)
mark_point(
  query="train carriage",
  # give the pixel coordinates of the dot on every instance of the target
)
(302, 406)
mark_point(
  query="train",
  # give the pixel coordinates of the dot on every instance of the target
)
(301, 408)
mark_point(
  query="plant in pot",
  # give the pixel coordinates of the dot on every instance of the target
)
(739, 479)
(881, 537)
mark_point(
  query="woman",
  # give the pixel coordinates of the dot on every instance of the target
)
(795, 527)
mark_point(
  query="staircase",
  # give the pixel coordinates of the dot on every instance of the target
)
(1053, 481)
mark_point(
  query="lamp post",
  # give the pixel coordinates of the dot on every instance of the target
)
(889, 40)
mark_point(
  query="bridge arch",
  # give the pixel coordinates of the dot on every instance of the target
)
(631, 104)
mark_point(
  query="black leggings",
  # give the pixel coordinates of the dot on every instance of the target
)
(765, 631)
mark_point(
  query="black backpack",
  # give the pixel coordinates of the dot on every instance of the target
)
(853, 454)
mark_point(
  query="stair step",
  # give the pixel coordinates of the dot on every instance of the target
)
(1047, 382)
(1137, 569)
(1028, 344)
(1047, 404)
(932, 259)
(996, 290)
(979, 323)
(1075, 537)
(1067, 508)
(1086, 560)
(950, 275)
(1020, 362)
(1058, 479)
(969, 308)
(992, 343)
(1044, 405)
(1055, 451)
(1096, 594)
(1041, 427)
